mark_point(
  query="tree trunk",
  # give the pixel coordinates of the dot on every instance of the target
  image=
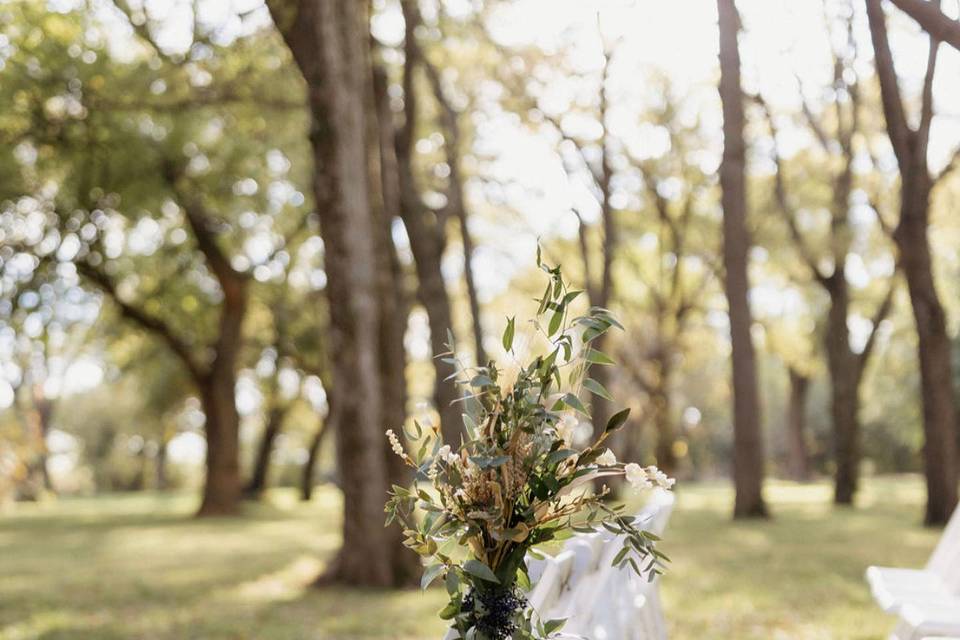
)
(261, 465)
(844, 384)
(934, 348)
(427, 252)
(221, 488)
(748, 456)
(44, 412)
(660, 398)
(394, 308)
(910, 147)
(160, 470)
(798, 458)
(426, 230)
(329, 41)
(313, 454)
(468, 251)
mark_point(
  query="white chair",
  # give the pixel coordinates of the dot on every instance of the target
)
(926, 600)
(600, 601)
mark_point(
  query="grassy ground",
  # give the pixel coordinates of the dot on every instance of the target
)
(138, 567)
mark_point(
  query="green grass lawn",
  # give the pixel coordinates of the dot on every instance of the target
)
(137, 566)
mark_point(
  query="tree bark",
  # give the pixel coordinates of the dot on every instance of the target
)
(748, 455)
(394, 308)
(221, 488)
(309, 472)
(43, 408)
(929, 16)
(934, 349)
(456, 202)
(844, 384)
(261, 464)
(662, 419)
(161, 477)
(426, 230)
(911, 236)
(328, 39)
(798, 457)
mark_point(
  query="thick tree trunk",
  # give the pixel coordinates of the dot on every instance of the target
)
(910, 147)
(329, 41)
(798, 457)
(934, 349)
(221, 489)
(261, 464)
(844, 370)
(748, 455)
(394, 307)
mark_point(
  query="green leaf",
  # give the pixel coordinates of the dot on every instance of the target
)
(480, 570)
(573, 402)
(560, 454)
(595, 356)
(555, 321)
(481, 381)
(596, 388)
(508, 334)
(452, 609)
(617, 420)
(430, 574)
(554, 625)
(452, 582)
(523, 580)
(486, 462)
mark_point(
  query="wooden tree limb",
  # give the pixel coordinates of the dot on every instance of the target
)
(897, 127)
(606, 177)
(787, 210)
(949, 167)
(922, 136)
(148, 322)
(583, 241)
(595, 175)
(456, 200)
(878, 317)
(930, 17)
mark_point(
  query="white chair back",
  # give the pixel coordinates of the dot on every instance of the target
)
(600, 601)
(945, 560)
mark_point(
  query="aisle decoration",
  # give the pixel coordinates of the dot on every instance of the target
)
(518, 478)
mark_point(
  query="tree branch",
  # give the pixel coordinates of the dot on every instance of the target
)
(881, 314)
(929, 16)
(783, 203)
(897, 127)
(148, 322)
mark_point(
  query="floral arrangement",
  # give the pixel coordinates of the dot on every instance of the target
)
(517, 480)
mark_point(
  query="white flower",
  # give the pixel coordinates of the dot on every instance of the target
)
(447, 455)
(566, 428)
(395, 443)
(659, 478)
(607, 459)
(637, 476)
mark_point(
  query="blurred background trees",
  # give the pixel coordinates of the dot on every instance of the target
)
(238, 240)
